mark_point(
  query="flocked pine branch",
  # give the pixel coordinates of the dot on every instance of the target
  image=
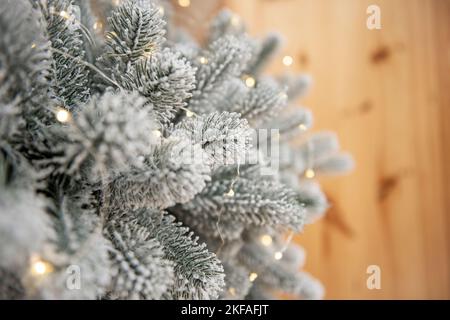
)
(199, 274)
(224, 59)
(64, 30)
(265, 51)
(273, 274)
(136, 31)
(24, 225)
(262, 102)
(171, 173)
(165, 79)
(225, 137)
(254, 200)
(140, 270)
(78, 243)
(25, 63)
(111, 131)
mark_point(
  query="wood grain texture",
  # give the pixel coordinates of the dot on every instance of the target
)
(387, 94)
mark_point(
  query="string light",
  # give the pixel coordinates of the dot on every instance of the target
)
(33, 46)
(310, 173)
(62, 115)
(147, 54)
(249, 81)
(40, 267)
(232, 291)
(116, 2)
(189, 114)
(283, 95)
(302, 127)
(235, 20)
(278, 255)
(161, 10)
(203, 60)
(253, 276)
(157, 133)
(266, 240)
(184, 3)
(64, 14)
(97, 25)
(288, 61)
(230, 193)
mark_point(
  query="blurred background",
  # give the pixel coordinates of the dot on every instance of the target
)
(387, 95)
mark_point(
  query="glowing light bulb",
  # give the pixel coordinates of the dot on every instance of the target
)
(116, 2)
(283, 95)
(310, 173)
(97, 25)
(288, 61)
(40, 267)
(157, 133)
(253, 276)
(203, 60)
(278, 255)
(64, 14)
(235, 20)
(266, 240)
(33, 46)
(184, 3)
(161, 10)
(62, 115)
(302, 127)
(232, 291)
(250, 81)
(189, 113)
(230, 193)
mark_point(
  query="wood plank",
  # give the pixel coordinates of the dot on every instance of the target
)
(386, 93)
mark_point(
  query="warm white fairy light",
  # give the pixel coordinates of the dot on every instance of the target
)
(157, 133)
(161, 10)
(97, 25)
(33, 45)
(278, 255)
(203, 60)
(40, 267)
(288, 61)
(235, 20)
(116, 2)
(309, 173)
(302, 127)
(184, 3)
(64, 14)
(283, 95)
(147, 54)
(250, 81)
(230, 193)
(232, 291)
(62, 115)
(266, 240)
(189, 114)
(252, 277)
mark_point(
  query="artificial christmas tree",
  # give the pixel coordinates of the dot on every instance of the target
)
(140, 165)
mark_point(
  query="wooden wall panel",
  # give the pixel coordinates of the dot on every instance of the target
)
(387, 94)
